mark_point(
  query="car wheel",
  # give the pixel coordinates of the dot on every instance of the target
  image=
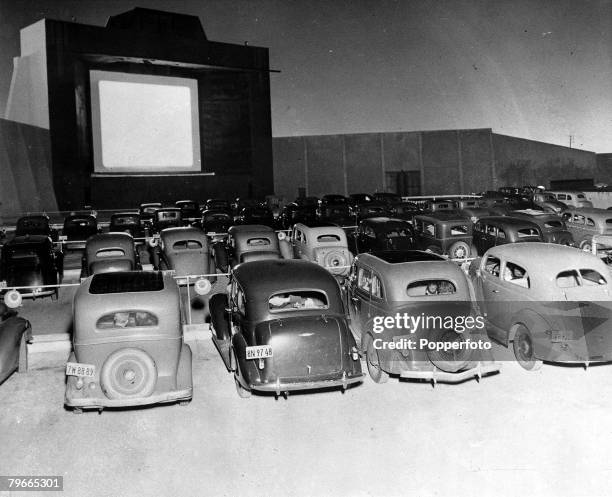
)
(373, 362)
(128, 373)
(459, 250)
(585, 245)
(334, 260)
(523, 350)
(218, 315)
(453, 360)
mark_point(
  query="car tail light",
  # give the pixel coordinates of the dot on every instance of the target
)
(354, 353)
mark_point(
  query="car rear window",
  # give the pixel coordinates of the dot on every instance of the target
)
(426, 288)
(525, 232)
(580, 195)
(126, 220)
(553, 224)
(459, 230)
(187, 245)
(297, 300)
(609, 221)
(25, 257)
(396, 233)
(126, 319)
(254, 242)
(108, 253)
(126, 282)
(328, 238)
(163, 215)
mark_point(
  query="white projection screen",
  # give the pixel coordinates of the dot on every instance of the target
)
(144, 124)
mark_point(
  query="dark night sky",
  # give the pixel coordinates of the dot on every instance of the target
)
(538, 69)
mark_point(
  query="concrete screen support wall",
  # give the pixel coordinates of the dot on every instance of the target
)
(233, 107)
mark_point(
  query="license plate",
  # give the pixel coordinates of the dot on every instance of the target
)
(259, 352)
(78, 369)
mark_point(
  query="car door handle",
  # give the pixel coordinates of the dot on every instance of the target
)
(494, 291)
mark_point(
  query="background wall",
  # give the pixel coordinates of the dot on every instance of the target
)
(430, 162)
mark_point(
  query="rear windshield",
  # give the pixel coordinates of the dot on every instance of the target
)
(81, 222)
(328, 238)
(425, 288)
(525, 232)
(254, 242)
(580, 195)
(187, 245)
(126, 220)
(583, 277)
(553, 224)
(459, 230)
(127, 282)
(298, 300)
(108, 253)
(25, 257)
(167, 215)
(126, 319)
(396, 233)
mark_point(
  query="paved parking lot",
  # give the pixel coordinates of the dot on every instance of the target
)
(516, 433)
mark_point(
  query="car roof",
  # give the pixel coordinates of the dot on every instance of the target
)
(319, 229)
(551, 255)
(418, 265)
(249, 228)
(172, 235)
(28, 240)
(441, 216)
(401, 256)
(273, 275)
(382, 220)
(108, 240)
(507, 220)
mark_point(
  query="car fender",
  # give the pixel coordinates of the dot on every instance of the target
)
(247, 369)
(535, 323)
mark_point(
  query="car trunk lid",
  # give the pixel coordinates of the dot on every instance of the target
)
(305, 346)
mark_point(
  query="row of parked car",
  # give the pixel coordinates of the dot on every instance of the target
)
(285, 325)
(112, 372)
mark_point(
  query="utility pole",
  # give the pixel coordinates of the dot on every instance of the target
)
(570, 141)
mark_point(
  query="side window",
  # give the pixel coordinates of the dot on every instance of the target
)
(376, 287)
(590, 222)
(364, 279)
(569, 197)
(567, 279)
(429, 229)
(492, 265)
(490, 230)
(561, 196)
(578, 219)
(567, 217)
(516, 275)
(590, 277)
(501, 233)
